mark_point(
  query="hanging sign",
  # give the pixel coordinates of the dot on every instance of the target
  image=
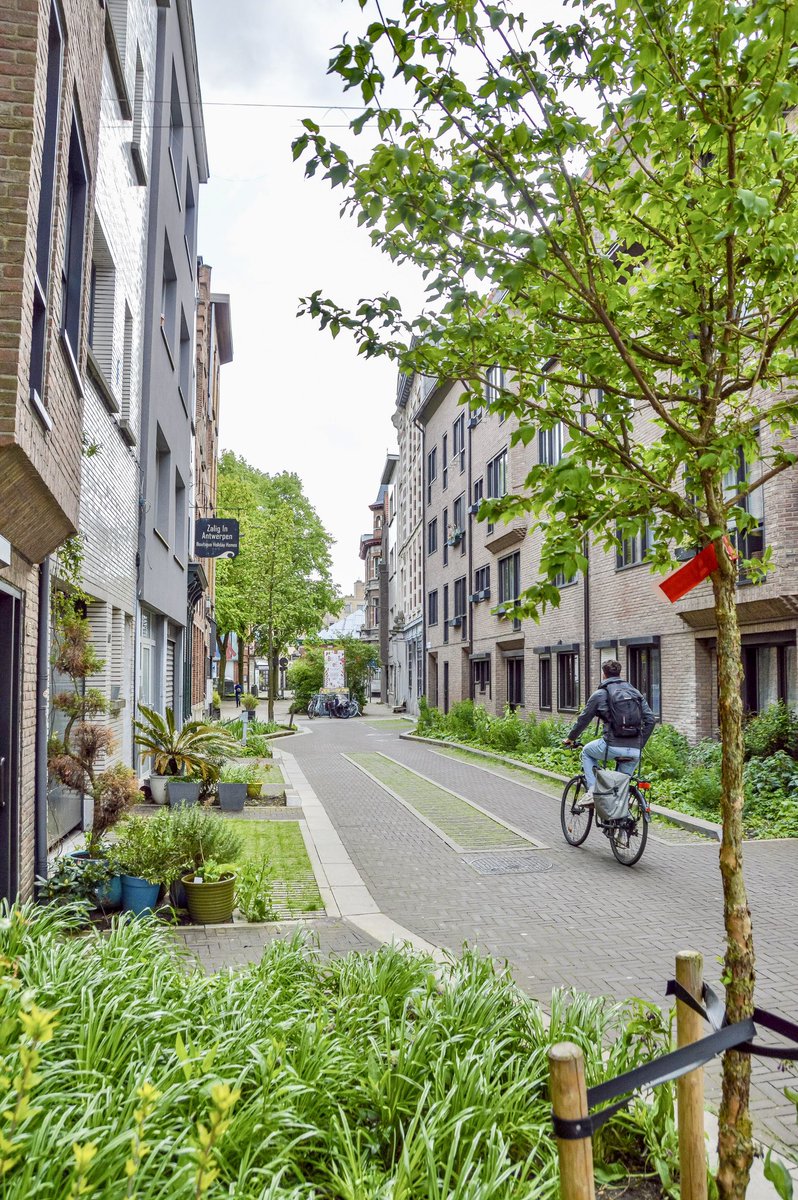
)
(216, 537)
(334, 667)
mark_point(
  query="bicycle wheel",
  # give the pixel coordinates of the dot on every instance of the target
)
(628, 839)
(575, 819)
(312, 709)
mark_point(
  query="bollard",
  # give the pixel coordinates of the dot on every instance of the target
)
(569, 1100)
(690, 1088)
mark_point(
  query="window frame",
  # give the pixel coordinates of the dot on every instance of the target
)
(496, 475)
(515, 681)
(644, 671)
(545, 677)
(568, 685)
(432, 535)
(432, 607)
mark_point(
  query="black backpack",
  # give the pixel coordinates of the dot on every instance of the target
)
(625, 710)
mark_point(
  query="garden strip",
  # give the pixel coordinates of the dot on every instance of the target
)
(294, 887)
(461, 823)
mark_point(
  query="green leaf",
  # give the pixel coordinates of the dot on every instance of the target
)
(777, 1174)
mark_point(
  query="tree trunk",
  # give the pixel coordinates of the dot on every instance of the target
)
(735, 1149)
(270, 661)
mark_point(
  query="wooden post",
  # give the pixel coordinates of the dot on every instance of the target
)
(569, 1100)
(690, 1088)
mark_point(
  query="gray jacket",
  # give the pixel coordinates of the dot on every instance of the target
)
(597, 707)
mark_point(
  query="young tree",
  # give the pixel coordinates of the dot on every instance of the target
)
(280, 586)
(625, 183)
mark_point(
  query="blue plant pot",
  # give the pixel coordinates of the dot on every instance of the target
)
(109, 895)
(138, 896)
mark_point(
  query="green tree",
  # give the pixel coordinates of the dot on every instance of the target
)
(606, 208)
(279, 587)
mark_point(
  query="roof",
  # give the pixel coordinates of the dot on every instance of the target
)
(185, 18)
(378, 503)
(224, 331)
(391, 461)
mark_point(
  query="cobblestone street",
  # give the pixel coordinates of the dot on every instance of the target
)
(581, 921)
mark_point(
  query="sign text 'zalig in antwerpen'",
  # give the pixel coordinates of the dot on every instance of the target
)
(216, 537)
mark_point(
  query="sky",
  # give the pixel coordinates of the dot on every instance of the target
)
(293, 398)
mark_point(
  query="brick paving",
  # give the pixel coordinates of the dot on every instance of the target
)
(587, 922)
(239, 946)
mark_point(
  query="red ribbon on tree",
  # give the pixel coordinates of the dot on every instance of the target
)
(695, 571)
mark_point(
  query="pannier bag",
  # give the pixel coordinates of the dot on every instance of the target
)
(611, 794)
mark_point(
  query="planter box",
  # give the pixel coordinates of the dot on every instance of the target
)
(181, 791)
(210, 903)
(232, 796)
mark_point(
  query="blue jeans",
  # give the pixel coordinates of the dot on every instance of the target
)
(596, 752)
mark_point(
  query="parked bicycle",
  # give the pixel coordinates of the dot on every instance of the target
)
(627, 835)
(331, 704)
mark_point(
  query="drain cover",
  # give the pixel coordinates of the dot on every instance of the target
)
(508, 863)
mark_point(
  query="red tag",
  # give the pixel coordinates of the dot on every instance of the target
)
(691, 574)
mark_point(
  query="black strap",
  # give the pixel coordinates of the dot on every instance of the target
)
(715, 1013)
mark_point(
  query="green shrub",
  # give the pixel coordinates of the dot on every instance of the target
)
(706, 754)
(504, 733)
(774, 729)
(430, 719)
(666, 753)
(460, 721)
(368, 1075)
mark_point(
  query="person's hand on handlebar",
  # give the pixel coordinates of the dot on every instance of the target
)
(569, 744)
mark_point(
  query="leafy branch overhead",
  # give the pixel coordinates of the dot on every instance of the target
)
(606, 209)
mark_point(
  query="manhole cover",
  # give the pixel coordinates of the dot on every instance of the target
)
(504, 863)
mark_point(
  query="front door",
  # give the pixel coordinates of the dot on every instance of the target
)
(10, 683)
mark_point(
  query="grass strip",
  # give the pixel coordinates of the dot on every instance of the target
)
(282, 845)
(392, 723)
(452, 816)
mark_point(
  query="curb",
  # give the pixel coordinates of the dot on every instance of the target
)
(708, 829)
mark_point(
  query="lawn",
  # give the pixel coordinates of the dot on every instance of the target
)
(280, 844)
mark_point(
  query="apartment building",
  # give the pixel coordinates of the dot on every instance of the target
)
(406, 650)
(50, 86)
(478, 647)
(214, 350)
(391, 625)
(375, 590)
(177, 166)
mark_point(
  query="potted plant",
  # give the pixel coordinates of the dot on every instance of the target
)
(216, 706)
(250, 703)
(93, 861)
(233, 782)
(146, 858)
(76, 877)
(210, 892)
(179, 752)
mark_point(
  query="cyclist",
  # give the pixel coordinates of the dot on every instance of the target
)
(614, 743)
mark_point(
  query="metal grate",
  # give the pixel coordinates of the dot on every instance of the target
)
(508, 863)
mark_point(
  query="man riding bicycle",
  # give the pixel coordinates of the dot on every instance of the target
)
(616, 742)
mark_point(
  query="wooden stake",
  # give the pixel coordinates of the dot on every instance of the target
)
(569, 1100)
(690, 1088)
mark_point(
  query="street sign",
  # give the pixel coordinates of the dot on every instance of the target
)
(216, 537)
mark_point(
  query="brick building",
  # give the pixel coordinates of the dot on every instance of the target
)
(406, 649)
(50, 85)
(474, 572)
(214, 350)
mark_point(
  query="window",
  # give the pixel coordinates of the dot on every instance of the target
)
(568, 681)
(181, 527)
(515, 682)
(432, 608)
(749, 543)
(168, 297)
(458, 440)
(494, 382)
(136, 142)
(127, 366)
(185, 363)
(445, 462)
(562, 580)
(72, 269)
(477, 491)
(643, 668)
(460, 605)
(432, 535)
(446, 538)
(550, 444)
(769, 676)
(117, 10)
(510, 578)
(497, 476)
(458, 532)
(432, 471)
(544, 681)
(101, 306)
(163, 483)
(44, 227)
(482, 579)
(632, 548)
(175, 131)
(480, 675)
(190, 222)
(446, 612)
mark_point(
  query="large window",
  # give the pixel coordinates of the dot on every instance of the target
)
(446, 612)
(550, 444)
(445, 462)
(497, 475)
(544, 681)
(482, 579)
(480, 676)
(458, 440)
(101, 306)
(432, 471)
(72, 268)
(457, 533)
(432, 535)
(632, 548)
(568, 681)
(769, 676)
(176, 131)
(515, 682)
(460, 605)
(643, 667)
(163, 484)
(510, 578)
(445, 527)
(168, 297)
(494, 382)
(749, 543)
(432, 608)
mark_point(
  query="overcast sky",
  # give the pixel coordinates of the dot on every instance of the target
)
(292, 399)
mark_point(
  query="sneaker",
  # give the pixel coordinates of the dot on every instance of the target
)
(586, 801)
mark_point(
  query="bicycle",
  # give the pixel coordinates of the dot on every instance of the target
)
(627, 835)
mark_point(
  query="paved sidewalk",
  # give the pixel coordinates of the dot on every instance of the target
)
(584, 921)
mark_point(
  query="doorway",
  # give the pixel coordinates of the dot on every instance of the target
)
(10, 666)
